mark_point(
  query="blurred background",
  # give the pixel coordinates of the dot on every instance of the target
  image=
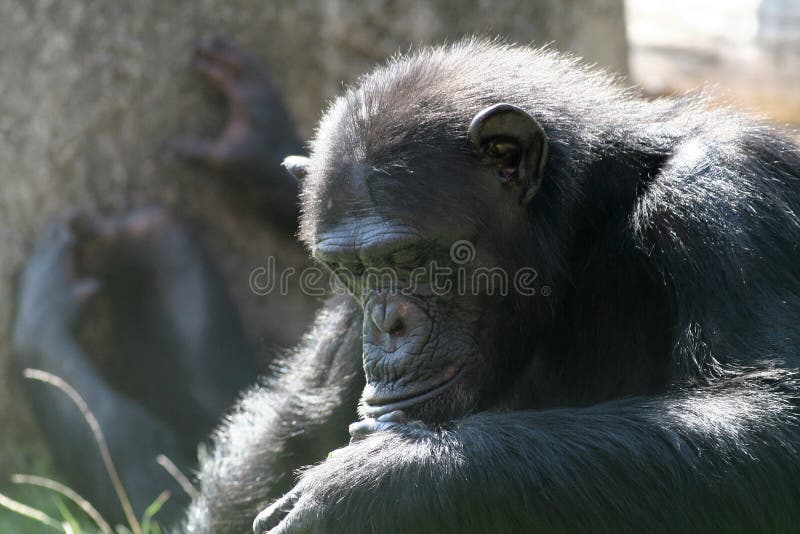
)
(91, 90)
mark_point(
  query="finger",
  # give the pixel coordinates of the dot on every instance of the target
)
(293, 523)
(57, 236)
(95, 236)
(85, 289)
(397, 416)
(196, 150)
(217, 74)
(274, 514)
(54, 250)
(86, 225)
(215, 47)
(361, 429)
(224, 50)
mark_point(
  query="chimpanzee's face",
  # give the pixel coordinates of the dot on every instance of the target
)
(406, 229)
(421, 337)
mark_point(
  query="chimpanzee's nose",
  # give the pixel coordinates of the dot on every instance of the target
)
(388, 316)
(392, 321)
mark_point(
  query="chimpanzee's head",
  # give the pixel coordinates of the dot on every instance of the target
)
(419, 197)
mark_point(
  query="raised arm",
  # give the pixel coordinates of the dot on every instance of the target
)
(258, 135)
(719, 458)
(49, 305)
(178, 358)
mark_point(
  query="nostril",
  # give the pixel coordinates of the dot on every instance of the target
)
(378, 315)
(397, 329)
(388, 318)
(393, 321)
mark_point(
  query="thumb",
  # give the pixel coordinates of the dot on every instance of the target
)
(195, 150)
(85, 289)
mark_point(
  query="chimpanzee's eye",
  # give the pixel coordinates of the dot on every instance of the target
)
(409, 257)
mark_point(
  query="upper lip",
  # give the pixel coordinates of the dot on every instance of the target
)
(372, 409)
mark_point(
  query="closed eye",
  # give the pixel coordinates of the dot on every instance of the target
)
(409, 257)
(355, 268)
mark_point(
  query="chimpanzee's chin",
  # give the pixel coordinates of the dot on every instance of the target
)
(453, 404)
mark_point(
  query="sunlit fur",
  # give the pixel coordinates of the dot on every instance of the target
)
(656, 390)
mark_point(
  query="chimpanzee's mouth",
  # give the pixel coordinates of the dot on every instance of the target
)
(377, 406)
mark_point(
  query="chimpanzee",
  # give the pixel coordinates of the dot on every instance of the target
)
(181, 355)
(642, 374)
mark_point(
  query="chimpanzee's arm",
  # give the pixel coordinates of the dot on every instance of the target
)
(178, 345)
(715, 459)
(179, 354)
(293, 420)
(258, 136)
(135, 438)
(48, 307)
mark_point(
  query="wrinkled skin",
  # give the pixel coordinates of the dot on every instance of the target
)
(629, 397)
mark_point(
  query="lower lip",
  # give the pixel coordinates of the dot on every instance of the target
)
(377, 411)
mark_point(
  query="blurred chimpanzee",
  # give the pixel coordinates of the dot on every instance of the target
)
(648, 380)
(182, 357)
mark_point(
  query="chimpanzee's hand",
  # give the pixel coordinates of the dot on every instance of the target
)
(319, 499)
(50, 296)
(395, 420)
(311, 506)
(257, 122)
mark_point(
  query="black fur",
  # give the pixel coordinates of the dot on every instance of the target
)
(655, 389)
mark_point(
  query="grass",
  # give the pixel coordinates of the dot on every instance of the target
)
(42, 505)
(45, 514)
(14, 522)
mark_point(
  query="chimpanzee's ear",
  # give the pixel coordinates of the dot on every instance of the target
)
(514, 143)
(299, 166)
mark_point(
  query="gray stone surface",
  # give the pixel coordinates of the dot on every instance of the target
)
(90, 90)
(746, 53)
